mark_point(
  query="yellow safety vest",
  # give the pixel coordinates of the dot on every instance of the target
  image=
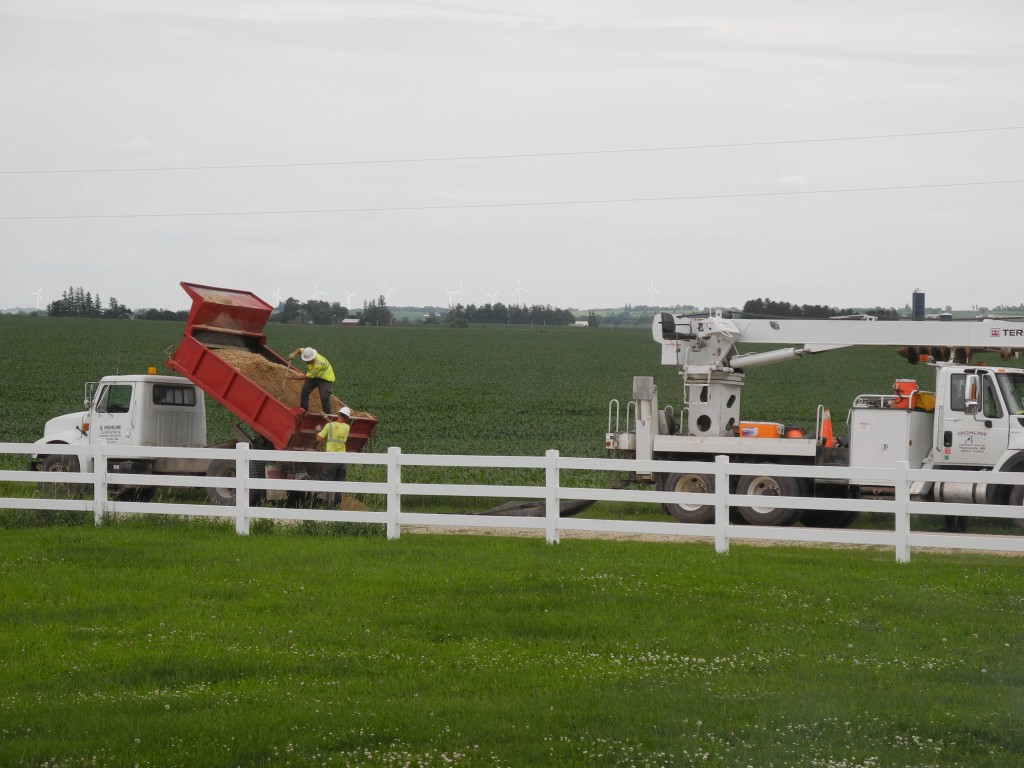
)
(335, 433)
(319, 368)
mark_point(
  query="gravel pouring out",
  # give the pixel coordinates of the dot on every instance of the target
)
(269, 375)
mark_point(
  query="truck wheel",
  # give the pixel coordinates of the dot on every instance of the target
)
(768, 485)
(61, 463)
(1017, 500)
(221, 468)
(690, 482)
(226, 468)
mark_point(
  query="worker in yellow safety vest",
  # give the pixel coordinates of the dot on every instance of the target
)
(319, 375)
(333, 436)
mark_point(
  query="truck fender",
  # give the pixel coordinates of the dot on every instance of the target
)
(1011, 461)
(36, 461)
(63, 437)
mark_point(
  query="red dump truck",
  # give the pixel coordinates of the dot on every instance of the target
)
(223, 354)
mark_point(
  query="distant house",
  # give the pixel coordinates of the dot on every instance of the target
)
(350, 321)
(581, 324)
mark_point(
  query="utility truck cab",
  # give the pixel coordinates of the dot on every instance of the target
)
(980, 418)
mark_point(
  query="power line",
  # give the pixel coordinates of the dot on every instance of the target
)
(634, 150)
(528, 204)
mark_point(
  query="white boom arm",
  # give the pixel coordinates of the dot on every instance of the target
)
(709, 342)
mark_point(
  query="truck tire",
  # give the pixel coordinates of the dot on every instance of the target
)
(768, 485)
(689, 482)
(226, 468)
(1017, 500)
(61, 463)
(221, 468)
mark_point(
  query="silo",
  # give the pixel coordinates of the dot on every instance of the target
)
(918, 305)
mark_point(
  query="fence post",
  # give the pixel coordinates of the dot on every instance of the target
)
(394, 498)
(722, 505)
(902, 512)
(242, 489)
(99, 482)
(551, 505)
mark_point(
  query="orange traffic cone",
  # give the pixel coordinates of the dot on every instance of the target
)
(827, 438)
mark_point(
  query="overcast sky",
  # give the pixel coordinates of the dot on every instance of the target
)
(578, 153)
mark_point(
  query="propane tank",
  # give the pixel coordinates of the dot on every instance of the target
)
(961, 493)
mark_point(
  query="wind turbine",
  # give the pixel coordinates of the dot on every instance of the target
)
(519, 290)
(317, 292)
(492, 296)
(348, 299)
(387, 293)
(652, 290)
(276, 295)
(39, 297)
(451, 295)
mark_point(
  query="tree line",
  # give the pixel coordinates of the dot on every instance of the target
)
(769, 308)
(76, 302)
(509, 314)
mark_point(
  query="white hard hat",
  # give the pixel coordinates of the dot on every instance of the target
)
(308, 354)
(345, 411)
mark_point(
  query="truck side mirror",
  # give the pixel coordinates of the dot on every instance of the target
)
(90, 392)
(972, 389)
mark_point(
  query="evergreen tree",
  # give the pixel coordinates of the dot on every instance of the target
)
(377, 312)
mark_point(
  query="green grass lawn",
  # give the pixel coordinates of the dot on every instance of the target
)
(160, 643)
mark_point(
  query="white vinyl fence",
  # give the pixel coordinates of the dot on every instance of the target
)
(393, 490)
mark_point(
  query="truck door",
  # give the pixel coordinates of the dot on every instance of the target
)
(974, 439)
(112, 415)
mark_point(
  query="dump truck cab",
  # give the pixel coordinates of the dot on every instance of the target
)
(134, 410)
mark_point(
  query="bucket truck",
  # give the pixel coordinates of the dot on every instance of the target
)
(974, 420)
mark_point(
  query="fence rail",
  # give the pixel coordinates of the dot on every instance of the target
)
(549, 495)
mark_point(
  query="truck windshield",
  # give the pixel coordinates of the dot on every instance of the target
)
(115, 398)
(1012, 386)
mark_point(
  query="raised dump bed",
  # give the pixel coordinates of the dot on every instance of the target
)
(224, 352)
